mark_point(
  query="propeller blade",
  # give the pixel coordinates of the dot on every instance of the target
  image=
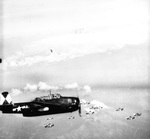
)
(79, 110)
(79, 106)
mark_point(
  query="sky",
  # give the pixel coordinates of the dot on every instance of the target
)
(93, 42)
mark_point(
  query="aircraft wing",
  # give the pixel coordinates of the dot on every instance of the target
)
(22, 103)
(36, 105)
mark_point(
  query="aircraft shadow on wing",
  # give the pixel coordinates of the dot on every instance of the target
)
(45, 105)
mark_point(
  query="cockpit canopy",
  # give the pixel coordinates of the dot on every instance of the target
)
(49, 97)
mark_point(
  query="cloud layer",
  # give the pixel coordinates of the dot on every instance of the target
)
(44, 87)
(71, 46)
(83, 30)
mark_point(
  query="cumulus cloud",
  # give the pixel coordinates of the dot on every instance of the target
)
(83, 101)
(72, 86)
(96, 103)
(15, 92)
(44, 87)
(30, 88)
(87, 89)
(84, 90)
(41, 86)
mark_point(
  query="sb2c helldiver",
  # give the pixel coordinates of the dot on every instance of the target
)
(45, 105)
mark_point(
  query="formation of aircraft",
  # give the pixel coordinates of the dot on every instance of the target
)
(71, 117)
(130, 117)
(134, 115)
(137, 114)
(96, 107)
(45, 105)
(49, 125)
(84, 102)
(89, 111)
(50, 118)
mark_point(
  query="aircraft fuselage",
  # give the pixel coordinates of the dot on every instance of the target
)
(40, 107)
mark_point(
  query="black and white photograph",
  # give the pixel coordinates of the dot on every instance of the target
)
(74, 69)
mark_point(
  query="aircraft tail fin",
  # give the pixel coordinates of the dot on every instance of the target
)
(5, 98)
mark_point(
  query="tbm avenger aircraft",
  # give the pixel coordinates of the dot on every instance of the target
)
(45, 105)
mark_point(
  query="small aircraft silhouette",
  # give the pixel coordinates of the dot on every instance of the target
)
(120, 109)
(51, 50)
(45, 105)
(71, 117)
(49, 125)
(89, 111)
(50, 118)
(137, 114)
(130, 117)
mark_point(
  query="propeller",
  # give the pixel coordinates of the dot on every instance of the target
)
(79, 110)
(79, 106)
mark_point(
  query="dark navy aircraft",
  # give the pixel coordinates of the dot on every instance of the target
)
(45, 105)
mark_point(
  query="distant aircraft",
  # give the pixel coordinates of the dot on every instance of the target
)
(49, 125)
(84, 102)
(137, 114)
(130, 117)
(50, 118)
(96, 107)
(120, 109)
(51, 50)
(45, 105)
(89, 111)
(71, 117)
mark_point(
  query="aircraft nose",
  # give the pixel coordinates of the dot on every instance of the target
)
(76, 101)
